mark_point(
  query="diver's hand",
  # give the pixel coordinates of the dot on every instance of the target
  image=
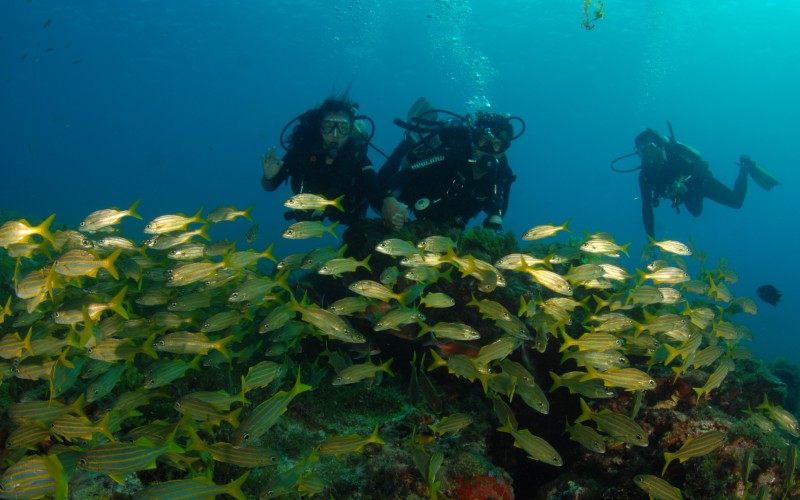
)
(271, 164)
(394, 213)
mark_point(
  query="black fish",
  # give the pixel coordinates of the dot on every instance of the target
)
(769, 294)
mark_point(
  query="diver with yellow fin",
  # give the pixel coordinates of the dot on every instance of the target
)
(678, 173)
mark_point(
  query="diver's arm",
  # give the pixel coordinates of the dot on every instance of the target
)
(390, 169)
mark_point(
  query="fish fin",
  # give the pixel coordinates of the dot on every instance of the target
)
(132, 209)
(669, 457)
(234, 489)
(338, 203)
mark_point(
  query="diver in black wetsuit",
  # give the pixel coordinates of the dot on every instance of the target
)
(678, 173)
(327, 155)
(448, 172)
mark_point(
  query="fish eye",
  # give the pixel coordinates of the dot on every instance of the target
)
(246, 437)
(82, 461)
(234, 295)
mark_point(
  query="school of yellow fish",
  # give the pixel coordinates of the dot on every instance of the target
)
(92, 308)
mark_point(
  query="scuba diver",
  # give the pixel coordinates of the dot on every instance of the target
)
(678, 173)
(326, 155)
(449, 171)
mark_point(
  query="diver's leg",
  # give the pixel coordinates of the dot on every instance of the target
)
(716, 191)
(694, 204)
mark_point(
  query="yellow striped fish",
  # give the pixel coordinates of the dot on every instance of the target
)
(196, 487)
(657, 488)
(346, 444)
(536, 447)
(265, 415)
(168, 223)
(13, 231)
(102, 219)
(117, 460)
(35, 476)
(695, 447)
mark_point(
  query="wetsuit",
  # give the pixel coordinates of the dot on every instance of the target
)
(435, 178)
(684, 166)
(351, 174)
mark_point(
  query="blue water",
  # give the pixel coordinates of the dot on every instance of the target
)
(103, 103)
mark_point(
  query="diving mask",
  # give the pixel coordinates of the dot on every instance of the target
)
(335, 127)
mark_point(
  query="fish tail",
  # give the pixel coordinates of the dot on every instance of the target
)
(56, 471)
(116, 303)
(267, 254)
(338, 203)
(246, 213)
(43, 229)
(197, 217)
(77, 406)
(446, 275)
(375, 438)
(669, 457)
(423, 327)
(103, 426)
(385, 367)
(26, 344)
(244, 390)
(233, 417)
(699, 391)
(437, 360)
(568, 342)
(132, 210)
(221, 346)
(673, 353)
(591, 373)
(332, 227)
(556, 381)
(299, 387)
(108, 264)
(234, 489)
(147, 347)
(365, 263)
(586, 413)
(203, 233)
(195, 443)
(678, 373)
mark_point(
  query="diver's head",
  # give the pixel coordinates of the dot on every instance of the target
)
(492, 133)
(335, 127)
(336, 124)
(332, 122)
(649, 145)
